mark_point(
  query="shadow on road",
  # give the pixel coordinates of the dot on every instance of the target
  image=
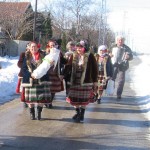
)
(75, 143)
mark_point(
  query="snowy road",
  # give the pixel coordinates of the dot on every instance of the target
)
(112, 125)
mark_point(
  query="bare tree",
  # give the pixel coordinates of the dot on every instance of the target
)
(78, 20)
(78, 8)
(17, 25)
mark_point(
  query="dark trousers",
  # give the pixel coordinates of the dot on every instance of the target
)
(120, 75)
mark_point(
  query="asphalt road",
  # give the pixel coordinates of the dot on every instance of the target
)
(111, 125)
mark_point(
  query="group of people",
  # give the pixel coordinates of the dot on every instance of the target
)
(85, 74)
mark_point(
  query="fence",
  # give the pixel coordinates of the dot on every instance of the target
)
(12, 47)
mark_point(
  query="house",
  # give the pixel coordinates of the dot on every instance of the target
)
(3, 39)
(12, 18)
(13, 8)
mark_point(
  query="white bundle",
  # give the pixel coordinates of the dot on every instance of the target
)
(115, 52)
(110, 89)
(48, 61)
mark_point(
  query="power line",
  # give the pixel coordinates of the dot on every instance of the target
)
(102, 24)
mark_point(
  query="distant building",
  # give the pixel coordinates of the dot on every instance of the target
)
(10, 16)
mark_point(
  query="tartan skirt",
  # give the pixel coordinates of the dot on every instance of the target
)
(38, 93)
(101, 81)
(56, 84)
(79, 94)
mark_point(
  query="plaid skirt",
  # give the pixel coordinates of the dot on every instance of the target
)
(37, 93)
(56, 84)
(101, 81)
(78, 94)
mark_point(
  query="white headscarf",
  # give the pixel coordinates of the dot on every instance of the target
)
(101, 48)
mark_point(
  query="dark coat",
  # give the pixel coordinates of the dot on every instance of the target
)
(20, 62)
(90, 72)
(126, 48)
(28, 67)
(109, 66)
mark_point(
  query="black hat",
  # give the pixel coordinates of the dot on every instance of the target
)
(79, 44)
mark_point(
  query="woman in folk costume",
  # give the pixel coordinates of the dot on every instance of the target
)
(55, 73)
(37, 91)
(105, 70)
(19, 89)
(82, 79)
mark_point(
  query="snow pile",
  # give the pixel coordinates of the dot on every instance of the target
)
(8, 78)
(141, 81)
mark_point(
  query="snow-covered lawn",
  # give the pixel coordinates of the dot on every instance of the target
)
(8, 78)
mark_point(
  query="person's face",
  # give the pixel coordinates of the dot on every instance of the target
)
(80, 50)
(101, 52)
(51, 44)
(71, 47)
(47, 50)
(120, 42)
(33, 48)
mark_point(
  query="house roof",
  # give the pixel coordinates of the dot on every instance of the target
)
(13, 8)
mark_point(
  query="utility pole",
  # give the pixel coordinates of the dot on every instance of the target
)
(34, 25)
(102, 24)
(124, 23)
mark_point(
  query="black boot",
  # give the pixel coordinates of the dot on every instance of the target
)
(32, 113)
(98, 100)
(76, 117)
(50, 106)
(52, 96)
(39, 110)
(25, 105)
(82, 114)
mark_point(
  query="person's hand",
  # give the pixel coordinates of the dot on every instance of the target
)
(127, 57)
(95, 83)
(32, 76)
(61, 77)
(111, 55)
(51, 62)
(108, 78)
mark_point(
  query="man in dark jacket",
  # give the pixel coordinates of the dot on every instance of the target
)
(121, 54)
